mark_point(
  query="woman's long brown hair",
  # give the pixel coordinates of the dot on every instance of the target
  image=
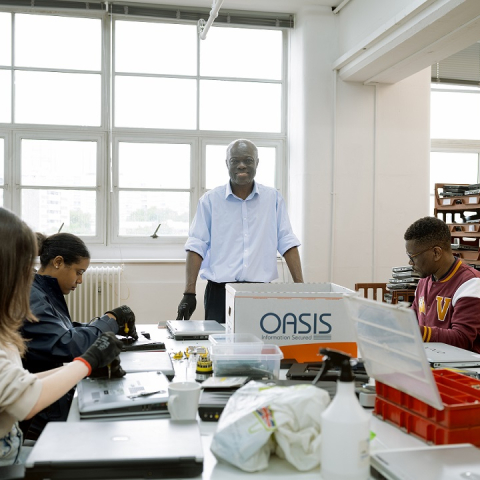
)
(18, 250)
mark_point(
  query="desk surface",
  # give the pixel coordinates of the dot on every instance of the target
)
(386, 436)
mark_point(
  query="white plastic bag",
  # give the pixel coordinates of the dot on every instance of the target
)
(260, 419)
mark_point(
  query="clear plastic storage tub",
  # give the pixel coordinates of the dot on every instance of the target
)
(228, 338)
(255, 360)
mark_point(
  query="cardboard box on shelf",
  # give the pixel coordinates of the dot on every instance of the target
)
(298, 317)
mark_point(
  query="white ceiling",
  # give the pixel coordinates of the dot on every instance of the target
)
(280, 6)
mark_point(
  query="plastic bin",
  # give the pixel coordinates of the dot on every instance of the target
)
(430, 432)
(460, 395)
(255, 360)
(227, 338)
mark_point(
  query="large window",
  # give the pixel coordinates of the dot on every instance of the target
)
(112, 127)
(455, 134)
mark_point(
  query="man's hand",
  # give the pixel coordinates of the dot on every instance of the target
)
(125, 320)
(187, 306)
(103, 352)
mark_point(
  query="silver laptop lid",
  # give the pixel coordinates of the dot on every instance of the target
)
(194, 329)
(444, 355)
(442, 462)
(117, 442)
(130, 392)
(133, 362)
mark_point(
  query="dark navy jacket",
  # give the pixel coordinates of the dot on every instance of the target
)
(55, 339)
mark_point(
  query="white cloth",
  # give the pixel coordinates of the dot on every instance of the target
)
(259, 420)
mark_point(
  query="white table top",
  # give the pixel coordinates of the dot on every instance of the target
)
(386, 436)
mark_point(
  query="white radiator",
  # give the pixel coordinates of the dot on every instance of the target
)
(99, 292)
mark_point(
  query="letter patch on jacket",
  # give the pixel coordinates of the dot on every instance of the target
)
(421, 306)
(442, 307)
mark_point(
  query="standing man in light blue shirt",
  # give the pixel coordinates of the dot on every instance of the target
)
(235, 235)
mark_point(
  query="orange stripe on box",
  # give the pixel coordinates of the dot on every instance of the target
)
(309, 352)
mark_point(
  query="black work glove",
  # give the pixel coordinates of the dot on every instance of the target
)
(103, 352)
(125, 320)
(187, 306)
(115, 371)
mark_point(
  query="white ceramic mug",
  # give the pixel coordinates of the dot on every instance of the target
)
(183, 400)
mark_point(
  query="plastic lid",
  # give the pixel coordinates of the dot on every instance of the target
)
(222, 338)
(392, 349)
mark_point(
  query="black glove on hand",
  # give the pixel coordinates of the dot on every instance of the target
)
(103, 352)
(115, 371)
(187, 306)
(125, 318)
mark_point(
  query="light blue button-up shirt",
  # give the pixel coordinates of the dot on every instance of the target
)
(239, 239)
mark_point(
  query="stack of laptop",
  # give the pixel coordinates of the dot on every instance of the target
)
(194, 329)
(403, 278)
(140, 394)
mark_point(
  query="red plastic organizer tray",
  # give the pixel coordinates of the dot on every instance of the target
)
(460, 395)
(429, 431)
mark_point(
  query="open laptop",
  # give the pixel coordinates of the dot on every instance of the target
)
(442, 355)
(160, 448)
(133, 362)
(194, 329)
(136, 394)
(442, 462)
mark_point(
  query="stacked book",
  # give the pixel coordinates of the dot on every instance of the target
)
(403, 278)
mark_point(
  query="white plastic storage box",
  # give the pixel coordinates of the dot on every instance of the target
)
(255, 360)
(298, 317)
(228, 338)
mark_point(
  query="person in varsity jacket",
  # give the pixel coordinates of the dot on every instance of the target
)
(447, 298)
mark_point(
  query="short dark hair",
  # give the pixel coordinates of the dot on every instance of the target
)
(430, 232)
(66, 245)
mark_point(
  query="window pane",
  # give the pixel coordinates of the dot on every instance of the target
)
(142, 47)
(453, 167)
(57, 98)
(168, 165)
(5, 39)
(260, 112)
(141, 212)
(46, 210)
(5, 96)
(59, 42)
(217, 172)
(260, 52)
(455, 115)
(59, 163)
(155, 102)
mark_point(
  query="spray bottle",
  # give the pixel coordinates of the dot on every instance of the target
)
(345, 427)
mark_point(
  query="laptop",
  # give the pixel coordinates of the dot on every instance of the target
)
(442, 462)
(133, 362)
(153, 448)
(442, 355)
(141, 344)
(136, 394)
(194, 329)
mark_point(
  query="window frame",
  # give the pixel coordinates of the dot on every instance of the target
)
(100, 188)
(107, 243)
